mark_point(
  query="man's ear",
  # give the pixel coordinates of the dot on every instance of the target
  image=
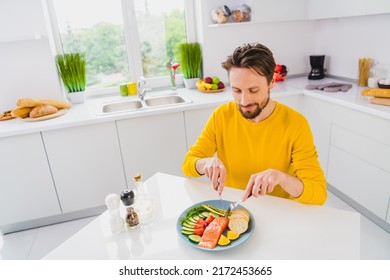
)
(271, 84)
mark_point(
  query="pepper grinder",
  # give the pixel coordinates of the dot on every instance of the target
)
(130, 216)
(116, 222)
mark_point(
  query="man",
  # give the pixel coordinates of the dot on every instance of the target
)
(262, 146)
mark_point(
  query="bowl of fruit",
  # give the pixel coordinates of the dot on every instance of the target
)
(210, 85)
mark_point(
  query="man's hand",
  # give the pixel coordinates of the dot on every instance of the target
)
(265, 182)
(214, 169)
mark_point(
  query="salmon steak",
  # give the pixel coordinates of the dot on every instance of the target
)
(213, 232)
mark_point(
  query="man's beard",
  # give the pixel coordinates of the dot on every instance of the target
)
(256, 112)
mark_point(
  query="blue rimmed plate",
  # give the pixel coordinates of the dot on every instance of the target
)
(234, 243)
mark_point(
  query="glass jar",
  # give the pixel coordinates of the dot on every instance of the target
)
(144, 204)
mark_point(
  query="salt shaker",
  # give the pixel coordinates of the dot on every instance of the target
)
(116, 222)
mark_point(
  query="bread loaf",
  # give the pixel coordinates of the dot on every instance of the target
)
(376, 92)
(42, 110)
(28, 102)
(21, 112)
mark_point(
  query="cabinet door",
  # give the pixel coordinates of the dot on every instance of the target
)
(153, 144)
(86, 164)
(276, 11)
(26, 187)
(388, 213)
(319, 9)
(318, 114)
(291, 101)
(378, 7)
(195, 122)
(363, 182)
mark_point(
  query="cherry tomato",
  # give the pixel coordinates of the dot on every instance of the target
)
(209, 219)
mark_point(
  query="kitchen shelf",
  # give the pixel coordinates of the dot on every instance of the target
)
(21, 39)
(230, 24)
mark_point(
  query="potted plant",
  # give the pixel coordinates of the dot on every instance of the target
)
(191, 63)
(72, 70)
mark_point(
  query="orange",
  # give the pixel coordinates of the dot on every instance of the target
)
(232, 235)
(223, 240)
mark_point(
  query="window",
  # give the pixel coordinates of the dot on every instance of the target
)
(123, 39)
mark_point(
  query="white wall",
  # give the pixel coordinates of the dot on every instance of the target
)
(27, 67)
(290, 42)
(345, 40)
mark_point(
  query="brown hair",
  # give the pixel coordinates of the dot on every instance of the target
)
(255, 56)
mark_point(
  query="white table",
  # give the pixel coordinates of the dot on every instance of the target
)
(284, 229)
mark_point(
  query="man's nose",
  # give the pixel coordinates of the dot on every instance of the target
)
(244, 99)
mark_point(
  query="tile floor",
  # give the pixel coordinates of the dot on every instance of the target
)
(36, 243)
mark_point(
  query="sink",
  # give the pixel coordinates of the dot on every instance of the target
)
(121, 106)
(165, 100)
(149, 103)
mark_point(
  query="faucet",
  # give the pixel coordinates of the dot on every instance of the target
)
(142, 91)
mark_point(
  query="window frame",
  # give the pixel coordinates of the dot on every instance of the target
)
(131, 44)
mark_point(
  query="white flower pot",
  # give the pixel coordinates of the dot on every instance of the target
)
(76, 97)
(190, 83)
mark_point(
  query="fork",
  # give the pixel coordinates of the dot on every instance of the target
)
(234, 205)
(220, 197)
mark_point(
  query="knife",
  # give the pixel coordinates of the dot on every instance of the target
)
(234, 205)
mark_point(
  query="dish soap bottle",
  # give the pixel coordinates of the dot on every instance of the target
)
(130, 216)
(144, 204)
(116, 222)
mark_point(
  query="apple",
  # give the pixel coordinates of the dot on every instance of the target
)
(214, 86)
(216, 80)
(208, 80)
(221, 85)
(278, 67)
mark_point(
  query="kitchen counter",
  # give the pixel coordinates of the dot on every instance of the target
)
(284, 229)
(89, 112)
(350, 99)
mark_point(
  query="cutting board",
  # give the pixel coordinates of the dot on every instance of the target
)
(47, 117)
(380, 101)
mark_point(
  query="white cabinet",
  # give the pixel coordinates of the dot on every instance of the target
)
(359, 158)
(86, 164)
(361, 181)
(27, 189)
(388, 213)
(282, 10)
(377, 7)
(153, 144)
(195, 121)
(319, 9)
(291, 101)
(354, 151)
(318, 113)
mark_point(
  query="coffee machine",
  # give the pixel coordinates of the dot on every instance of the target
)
(317, 67)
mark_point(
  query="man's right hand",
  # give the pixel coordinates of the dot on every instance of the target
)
(214, 169)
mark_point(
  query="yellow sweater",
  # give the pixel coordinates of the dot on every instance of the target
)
(283, 141)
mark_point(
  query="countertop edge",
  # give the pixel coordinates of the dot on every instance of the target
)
(87, 113)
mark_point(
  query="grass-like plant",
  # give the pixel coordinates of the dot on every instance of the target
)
(72, 70)
(191, 60)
